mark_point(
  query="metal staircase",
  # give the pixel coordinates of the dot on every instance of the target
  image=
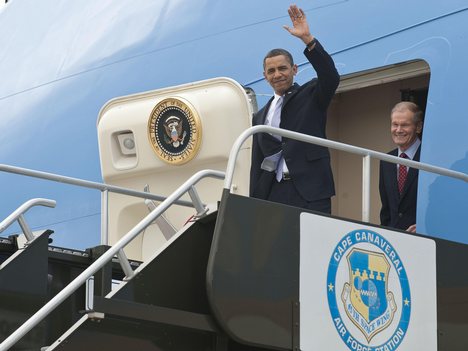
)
(163, 306)
(227, 281)
(28, 279)
(102, 273)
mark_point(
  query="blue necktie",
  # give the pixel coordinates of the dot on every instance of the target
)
(275, 122)
(275, 162)
(276, 118)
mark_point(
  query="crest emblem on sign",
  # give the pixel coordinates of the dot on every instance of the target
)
(368, 291)
(174, 131)
(367, 301)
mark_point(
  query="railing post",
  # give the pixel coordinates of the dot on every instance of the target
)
(366, 179)
(127, 269)
(105, 217)
(201, 210)
(103, 277)
(25, 227)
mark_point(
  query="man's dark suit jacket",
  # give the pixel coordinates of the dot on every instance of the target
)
(304, 110)
(398, 211)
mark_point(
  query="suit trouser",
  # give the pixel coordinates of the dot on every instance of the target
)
(286, 193)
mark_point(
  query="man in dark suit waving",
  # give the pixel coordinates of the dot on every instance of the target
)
(285, 170)
(399, 185)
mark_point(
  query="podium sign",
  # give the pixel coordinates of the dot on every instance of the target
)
(365, 288)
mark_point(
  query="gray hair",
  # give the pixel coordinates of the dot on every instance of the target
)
(409, 106)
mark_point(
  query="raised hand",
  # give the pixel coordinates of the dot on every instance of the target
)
(300, 27)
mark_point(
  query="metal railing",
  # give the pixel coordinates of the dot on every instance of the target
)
(18, 215)
(116, 249)
(104, 188)
(365, 153)
(188, 187)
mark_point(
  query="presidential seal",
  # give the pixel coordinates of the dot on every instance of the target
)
(174, 131)
(368, 292)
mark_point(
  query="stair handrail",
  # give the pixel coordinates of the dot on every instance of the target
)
(104, 188)
(106, 257)
(86, 183)
(365, 153)
(18, 215)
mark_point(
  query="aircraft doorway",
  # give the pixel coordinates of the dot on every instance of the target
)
(360, 115)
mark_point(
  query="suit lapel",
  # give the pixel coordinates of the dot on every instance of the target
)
(290, 93)
(263, 113)
(392, 170)
(261, 116)
(394, 182)
(268, 143)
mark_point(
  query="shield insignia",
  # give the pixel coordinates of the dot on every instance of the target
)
(175, 135)
(366, 298)
(174, 131)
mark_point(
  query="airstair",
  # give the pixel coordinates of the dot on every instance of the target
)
(47, 270)
(234, 278)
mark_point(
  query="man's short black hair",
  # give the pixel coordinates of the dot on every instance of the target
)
(278, 52)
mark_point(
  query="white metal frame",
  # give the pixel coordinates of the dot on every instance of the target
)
(365, 153)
